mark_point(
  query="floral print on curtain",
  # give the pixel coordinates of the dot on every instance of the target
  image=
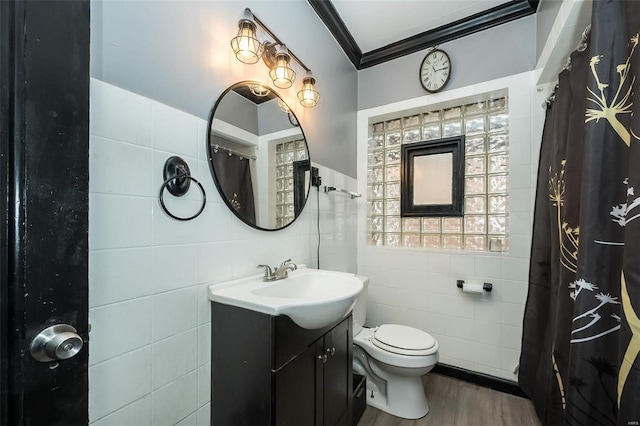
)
(581, 333)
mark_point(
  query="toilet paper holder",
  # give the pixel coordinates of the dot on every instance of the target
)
(485, 286)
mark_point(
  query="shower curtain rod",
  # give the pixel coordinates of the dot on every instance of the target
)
(580, 48)
(216, 147)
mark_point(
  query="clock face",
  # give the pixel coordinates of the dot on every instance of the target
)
(435, 70)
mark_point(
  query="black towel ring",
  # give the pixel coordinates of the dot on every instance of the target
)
(177, 181)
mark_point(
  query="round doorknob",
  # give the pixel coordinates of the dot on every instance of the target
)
(56, 343)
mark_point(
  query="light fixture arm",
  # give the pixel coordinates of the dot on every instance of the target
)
(276, 56)
(276, 39)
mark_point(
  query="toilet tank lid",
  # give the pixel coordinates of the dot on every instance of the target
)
(364, 279)
(404, 337)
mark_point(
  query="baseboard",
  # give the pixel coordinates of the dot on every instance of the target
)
(480, 379)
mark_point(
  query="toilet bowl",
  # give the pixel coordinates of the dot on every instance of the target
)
(393, 358)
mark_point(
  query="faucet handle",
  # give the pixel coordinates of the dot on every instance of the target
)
(268, 273)
(288, 262)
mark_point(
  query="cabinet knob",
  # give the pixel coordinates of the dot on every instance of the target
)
(331, 351)
(323, 358)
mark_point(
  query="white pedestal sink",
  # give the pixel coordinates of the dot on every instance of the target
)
(312, 298)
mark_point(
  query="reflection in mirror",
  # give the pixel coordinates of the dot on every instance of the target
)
(258, 156)
(431, 168)
(433, 178)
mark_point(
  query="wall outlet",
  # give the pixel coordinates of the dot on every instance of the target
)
(316, 179)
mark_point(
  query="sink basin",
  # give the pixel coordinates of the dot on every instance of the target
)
(312, 298)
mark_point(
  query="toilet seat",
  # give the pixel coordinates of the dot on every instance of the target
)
(403, 340)
(365, 340)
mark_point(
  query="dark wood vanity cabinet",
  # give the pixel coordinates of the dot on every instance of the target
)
(267, 370)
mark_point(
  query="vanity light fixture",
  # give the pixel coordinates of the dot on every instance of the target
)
(246, 45)
(282, 74)
(259, 90)
(283, 107)
(248, 49)
(308, 96)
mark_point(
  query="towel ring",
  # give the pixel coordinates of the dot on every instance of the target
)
(177, 181)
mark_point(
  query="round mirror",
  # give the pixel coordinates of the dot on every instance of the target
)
(258, 156)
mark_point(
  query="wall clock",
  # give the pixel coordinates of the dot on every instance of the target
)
(435, 70)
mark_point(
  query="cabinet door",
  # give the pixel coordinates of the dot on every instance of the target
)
(338, 375)
(297, 386)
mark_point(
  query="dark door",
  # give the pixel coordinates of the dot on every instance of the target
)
(44, 128)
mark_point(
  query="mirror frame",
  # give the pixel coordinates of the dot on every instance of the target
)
(298, 202)
(453, 145)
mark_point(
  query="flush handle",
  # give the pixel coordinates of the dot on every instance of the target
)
(56, 343)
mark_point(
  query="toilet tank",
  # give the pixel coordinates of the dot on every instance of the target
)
(360, 310)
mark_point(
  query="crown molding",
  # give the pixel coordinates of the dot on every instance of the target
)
(489, 18)
(329, 15)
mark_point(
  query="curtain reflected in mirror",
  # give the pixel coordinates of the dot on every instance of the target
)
(234, 177)
(258, 156)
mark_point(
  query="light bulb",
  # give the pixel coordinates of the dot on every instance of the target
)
(245, 42)
(308, 95)
(282, 74)
(245, 45)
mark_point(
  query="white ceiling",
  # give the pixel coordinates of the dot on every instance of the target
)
(377, 23)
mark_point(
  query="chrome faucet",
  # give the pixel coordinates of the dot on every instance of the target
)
(268, 273)
(283, 271)
(278, 273)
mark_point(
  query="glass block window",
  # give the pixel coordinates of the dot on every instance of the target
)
(286, 154)
(484, 225)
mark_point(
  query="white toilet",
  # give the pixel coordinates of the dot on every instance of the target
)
(393, 358)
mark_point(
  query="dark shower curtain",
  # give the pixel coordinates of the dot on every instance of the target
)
(581, 332)
(234, 177)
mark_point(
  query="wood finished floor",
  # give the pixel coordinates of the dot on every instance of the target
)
(456, 403)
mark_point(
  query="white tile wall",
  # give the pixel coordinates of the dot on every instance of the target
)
(418, 287)
(137, 413)
(150, 347)
(175, 401)
(108, 323)
(119, 381)
(174, 357)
